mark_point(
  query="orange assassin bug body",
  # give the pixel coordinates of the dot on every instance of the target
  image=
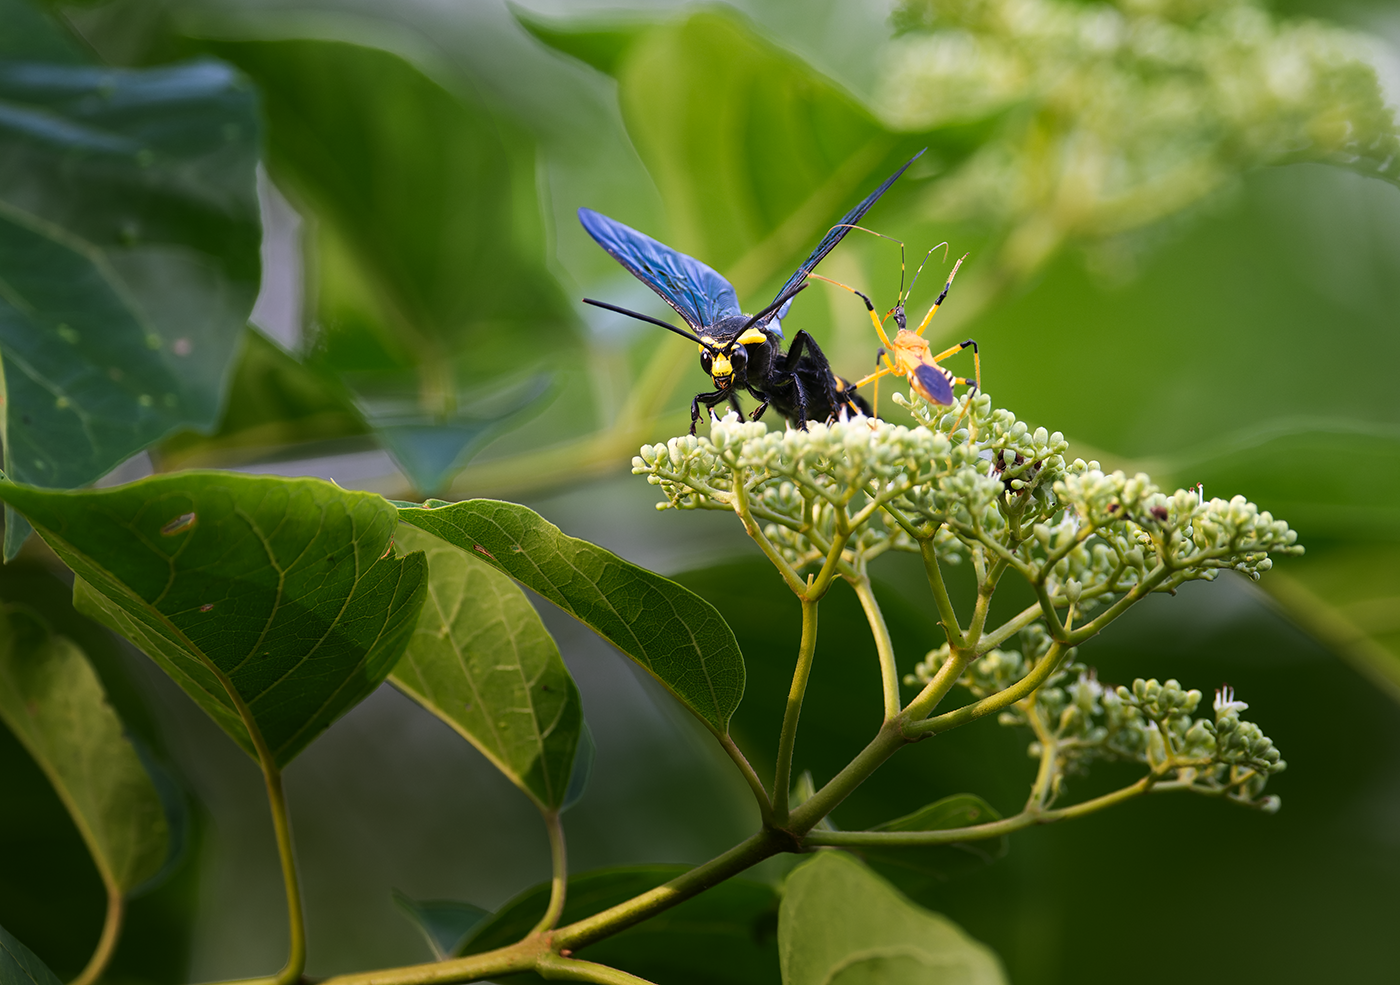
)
(909, 354)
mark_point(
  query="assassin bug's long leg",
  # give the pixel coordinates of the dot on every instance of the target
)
(907, 354)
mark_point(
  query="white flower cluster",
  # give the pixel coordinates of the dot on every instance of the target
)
(971, 479)
(1150, 723)
(1117, 114)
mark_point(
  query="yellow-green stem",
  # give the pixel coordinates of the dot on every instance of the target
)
(618, 918)
(884, 648)
(787, 739)
(992, 829)
(993, 702)
(559, 882)
(555, 967)
(107, 942)
(946, 613)
(296, 923)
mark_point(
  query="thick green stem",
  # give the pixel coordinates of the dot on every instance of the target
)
(559, 882)
(618, 918)
(111, 932)
(889, 740)
(787, 739)
(884, 648)
(489, 964)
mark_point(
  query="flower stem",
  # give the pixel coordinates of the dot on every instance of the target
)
(992, 829)
(884, 648)
(787, 739)
(993, 702)
(946, 614)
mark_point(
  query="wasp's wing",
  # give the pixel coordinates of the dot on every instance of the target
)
(700, 295)
(835, 234)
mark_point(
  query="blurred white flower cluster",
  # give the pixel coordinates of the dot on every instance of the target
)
(1112, 115)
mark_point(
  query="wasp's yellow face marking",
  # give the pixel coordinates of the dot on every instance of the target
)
(721, 369)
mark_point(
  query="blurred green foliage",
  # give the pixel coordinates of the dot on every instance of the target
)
(1152, 272)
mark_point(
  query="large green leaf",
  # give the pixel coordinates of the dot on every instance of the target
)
(482, 661)
(726, 934)
(841, 923)
(432, 287)
(51, 699)
(676, 635)
(129, 262)
(20, 966)
(270, 598)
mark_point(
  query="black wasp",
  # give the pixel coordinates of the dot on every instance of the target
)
(738, 351)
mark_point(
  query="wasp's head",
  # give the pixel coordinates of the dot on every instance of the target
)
(724, 363)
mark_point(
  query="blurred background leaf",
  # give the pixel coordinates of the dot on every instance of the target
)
(433, 302)
(1238, 331)
(128, 250)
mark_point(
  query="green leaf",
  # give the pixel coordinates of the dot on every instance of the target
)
(129, 238)
(52, 700)
(481, 660)
(840, 922)
(274, 599)
(20, 966)
(674, 634)
(444, 923)
(726, 934)
(433, 292)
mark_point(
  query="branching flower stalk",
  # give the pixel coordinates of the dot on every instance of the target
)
(967, 483)
(972, 483)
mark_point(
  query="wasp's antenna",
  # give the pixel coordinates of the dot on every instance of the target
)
(655, 321)
(783, 299)
(906, 297)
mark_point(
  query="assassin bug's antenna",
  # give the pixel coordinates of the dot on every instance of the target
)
(905, 297)
(655, 321)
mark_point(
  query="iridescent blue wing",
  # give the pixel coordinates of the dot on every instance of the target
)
(835, 234)
(700, 295)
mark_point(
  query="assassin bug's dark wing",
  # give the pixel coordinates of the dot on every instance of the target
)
(700, 295)
(835, 234)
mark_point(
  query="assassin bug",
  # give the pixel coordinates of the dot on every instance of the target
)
(907, 354)
(738, 351)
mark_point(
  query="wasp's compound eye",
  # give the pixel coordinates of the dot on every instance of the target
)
(705, 361)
